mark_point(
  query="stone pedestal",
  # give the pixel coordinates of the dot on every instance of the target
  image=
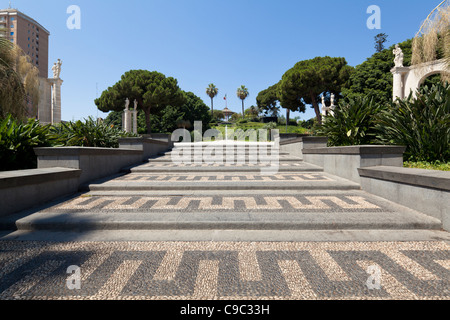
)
(126, 126)
(399, 82)
(49, 108)
(135, 121)
(56, 100)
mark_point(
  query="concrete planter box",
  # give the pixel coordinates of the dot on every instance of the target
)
(24, 189)
(426, 191)
(149, 147)
(159, 136)
(291, 136)
(95, 163)
(296, 146)
(345, 161)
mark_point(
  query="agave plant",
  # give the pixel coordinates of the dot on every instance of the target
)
(89, 133)
(353, 123)
(422, 124)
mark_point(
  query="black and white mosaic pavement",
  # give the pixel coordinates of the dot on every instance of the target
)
(224, 270)
(308, 177)
(242, 203)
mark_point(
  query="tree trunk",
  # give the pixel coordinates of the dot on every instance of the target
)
(212, 108)
(243, 110)
(316, 109)
(288, 113)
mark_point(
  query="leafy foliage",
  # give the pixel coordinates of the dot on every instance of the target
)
(309, 79)
(19, 80)
(152, 90)
(353, 123)
(421, 124)
(17, 141)
(436, 165)
(373, 77)
(171, 118)
(212, 91)
(242, 93)
(380, 40)
(89, 133)
(267, 101)
(218, 116)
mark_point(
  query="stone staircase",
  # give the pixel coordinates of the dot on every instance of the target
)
(236, 194)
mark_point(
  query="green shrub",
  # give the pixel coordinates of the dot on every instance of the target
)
(353, 123)
(437, 165)
(89, 133)
(17, 141)
(421, 124)
(270, 125)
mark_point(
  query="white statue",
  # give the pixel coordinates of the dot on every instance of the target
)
(127, 104)
(328, 110)
(398, 56)
(57, 69)
(55, 73)
(135, 104)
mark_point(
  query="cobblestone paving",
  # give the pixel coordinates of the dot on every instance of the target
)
(294, 203)
(217, 165)
(223, 177)
(224, 270)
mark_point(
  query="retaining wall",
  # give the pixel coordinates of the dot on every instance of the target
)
(149, 147)
(426, 191)
(24, 189)
(345, 161)
(296, 146)
(94, 163)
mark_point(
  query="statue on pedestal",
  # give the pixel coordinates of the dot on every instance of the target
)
(57, 69)
(127, 103)
(398, 56)
(328, 110)
(135, 104)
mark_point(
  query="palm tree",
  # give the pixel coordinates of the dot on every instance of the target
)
(242, 94)
(212, 92)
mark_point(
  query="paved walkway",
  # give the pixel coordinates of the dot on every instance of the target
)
(224, 232)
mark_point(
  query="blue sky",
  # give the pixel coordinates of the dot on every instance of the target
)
(229, 43)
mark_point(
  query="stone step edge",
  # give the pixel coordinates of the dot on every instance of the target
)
(211, 186)
(311, 236)
(91, 225)
(215, 169)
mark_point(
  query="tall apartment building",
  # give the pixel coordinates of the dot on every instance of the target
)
(33, 39)
(29, 35)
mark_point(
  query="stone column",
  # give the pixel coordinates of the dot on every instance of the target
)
(399, 82)
(135, 121)
(56, 100)
(127, 120)
(45, 100)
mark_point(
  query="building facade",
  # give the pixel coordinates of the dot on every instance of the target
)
(33, 39)
(29, 35)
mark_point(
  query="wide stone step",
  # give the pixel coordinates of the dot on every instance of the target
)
(225, 181)
(270, 168)
(254, 158)
(287, 210)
